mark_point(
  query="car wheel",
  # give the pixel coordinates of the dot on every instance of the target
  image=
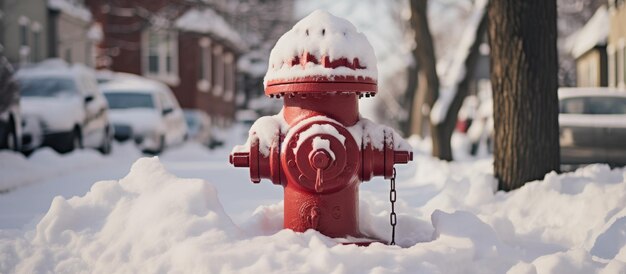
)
(73, 141)
(105, 148)
(10, 140)
(161, 145)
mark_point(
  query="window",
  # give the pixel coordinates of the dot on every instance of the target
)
(168, 53)
(36, 46)
(24, 50)
(68, 55)
(160, 60)
(153, 53)
(624, 66)
(617, 69)
(122, 100)
(218, 71)
(23, 35)
(204, 65)
(612, 66)
(229, 79)
(593, 105)
(46, 87)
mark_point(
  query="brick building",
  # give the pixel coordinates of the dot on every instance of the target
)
(185, 44)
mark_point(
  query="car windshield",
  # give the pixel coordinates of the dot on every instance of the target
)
(46, 87)
(601, 105)
(120, 100)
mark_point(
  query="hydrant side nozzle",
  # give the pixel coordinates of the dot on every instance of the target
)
(240, 159)
(402, 157)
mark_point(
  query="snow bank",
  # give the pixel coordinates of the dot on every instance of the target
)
(450, 221)
(321, 35)
(18, 171)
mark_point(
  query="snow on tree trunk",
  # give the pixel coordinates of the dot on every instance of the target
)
(522, 38)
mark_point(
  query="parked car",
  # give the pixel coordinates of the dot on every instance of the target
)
(62, 105)
(10, 118)
(198, 126)
(145, 111)
(592, 126)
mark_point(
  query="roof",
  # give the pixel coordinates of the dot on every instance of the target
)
(71, 8)
(54, 68)
(134, 84)
(594, 33)
(207, 21)
(590, 91)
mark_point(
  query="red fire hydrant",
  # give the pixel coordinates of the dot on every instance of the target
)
(318, 148)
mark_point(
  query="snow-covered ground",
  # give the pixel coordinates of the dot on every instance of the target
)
(120, 214)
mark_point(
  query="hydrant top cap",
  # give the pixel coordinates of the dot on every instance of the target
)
(322, 48)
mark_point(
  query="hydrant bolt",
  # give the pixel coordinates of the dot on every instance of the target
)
(320, 159)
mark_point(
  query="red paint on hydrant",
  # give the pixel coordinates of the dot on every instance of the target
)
(318, 159)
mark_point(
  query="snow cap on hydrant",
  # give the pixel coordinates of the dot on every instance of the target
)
(318, 147)
(326, 50)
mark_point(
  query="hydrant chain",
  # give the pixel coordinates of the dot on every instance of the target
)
(392, 216)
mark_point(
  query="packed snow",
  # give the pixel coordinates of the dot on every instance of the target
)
(451, 219)
(321, 35)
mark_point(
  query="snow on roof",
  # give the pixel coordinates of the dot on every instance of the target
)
(135, 84)
(317, 36)
(590, 91)
(95, 32)
(208, 21)
(595, 32)
(71, 8)
(53, 68)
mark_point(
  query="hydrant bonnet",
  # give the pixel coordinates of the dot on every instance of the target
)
(322, 53)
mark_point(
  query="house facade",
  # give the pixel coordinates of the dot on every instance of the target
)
(33, 30)
(189, 47)
(616, 48)
(24, 30)
(588, 46)
(70, 31)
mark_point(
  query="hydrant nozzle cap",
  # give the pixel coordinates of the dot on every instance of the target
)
(322, 53)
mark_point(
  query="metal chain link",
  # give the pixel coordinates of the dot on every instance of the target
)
(392, 216)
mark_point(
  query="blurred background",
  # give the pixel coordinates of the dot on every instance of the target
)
(83, 73)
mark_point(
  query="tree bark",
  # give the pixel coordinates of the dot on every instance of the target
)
(522, 38)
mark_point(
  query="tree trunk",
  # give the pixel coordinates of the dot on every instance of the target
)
(418, 116)
(447, 126)
(522, 38)
(424, 54)
(408, 99)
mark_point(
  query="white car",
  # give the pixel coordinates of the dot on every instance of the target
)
(199, 126)
(592, 126)
(145, 111)
(63, 105)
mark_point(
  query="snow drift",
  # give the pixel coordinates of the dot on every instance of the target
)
(451, 221)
